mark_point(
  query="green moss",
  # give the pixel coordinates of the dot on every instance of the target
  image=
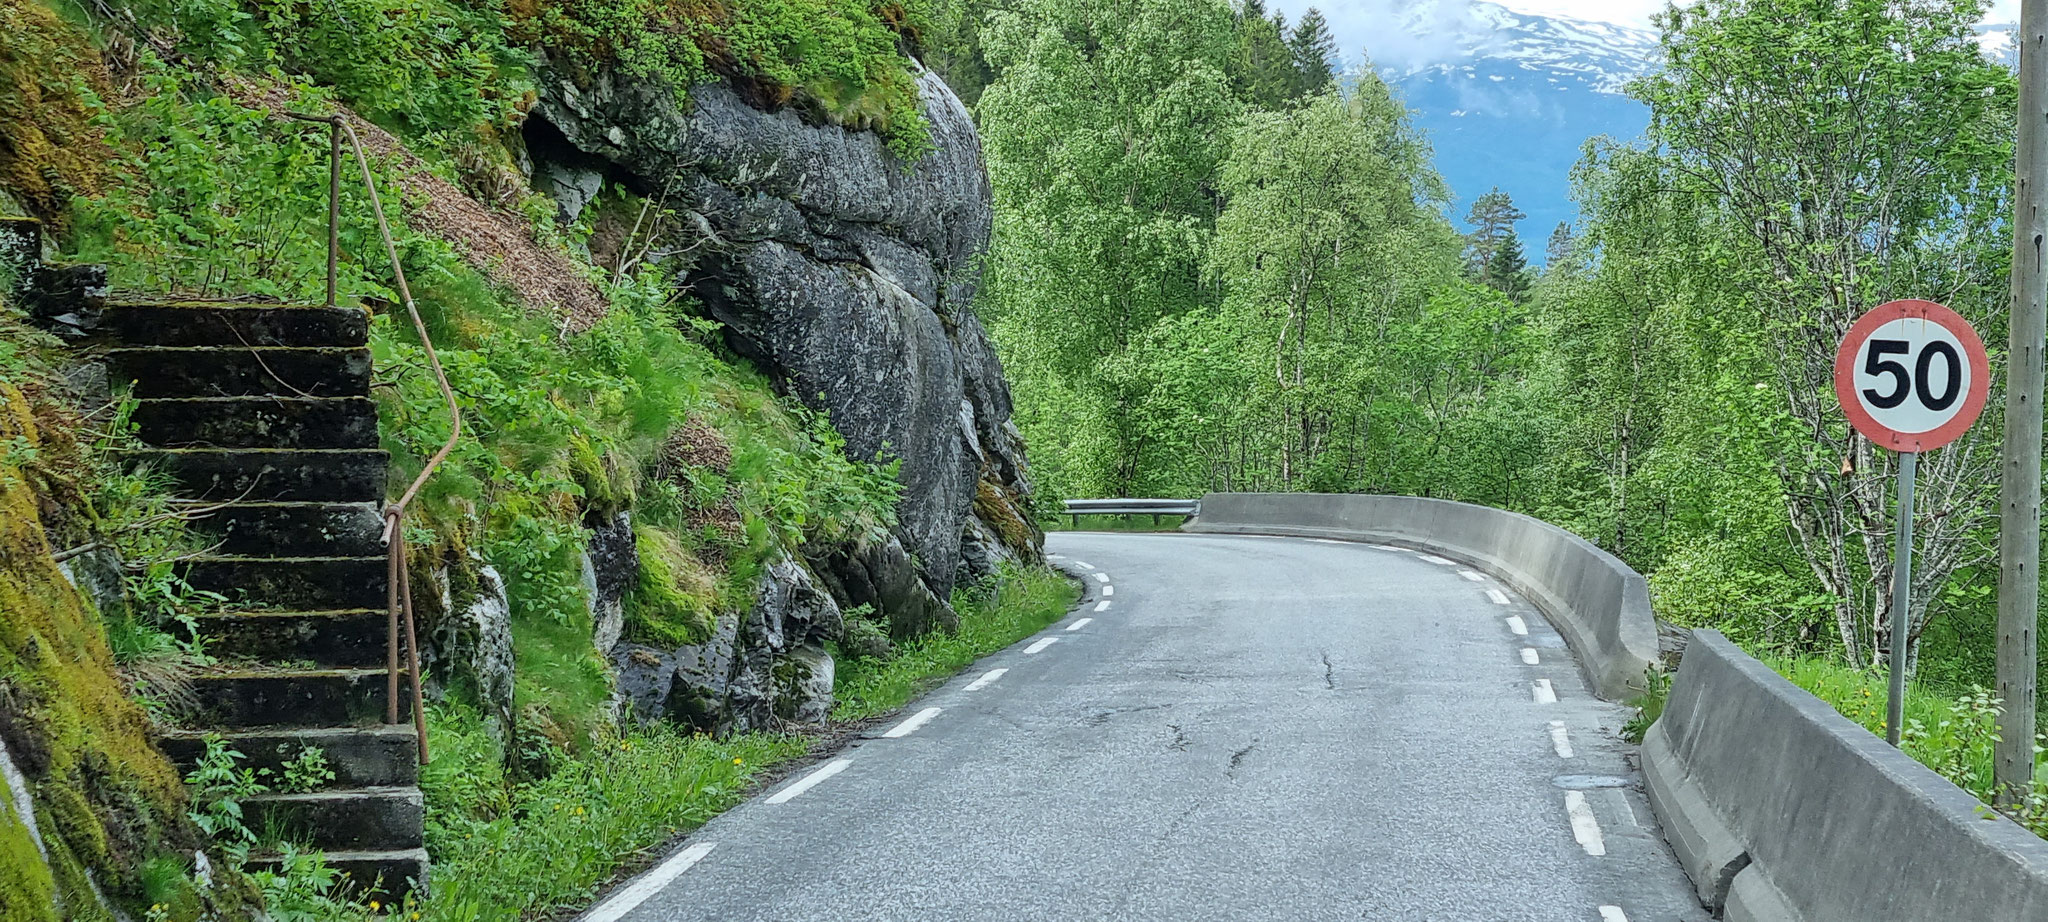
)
(672, 603)
(27, 891)
(50, 81)
(106, 800)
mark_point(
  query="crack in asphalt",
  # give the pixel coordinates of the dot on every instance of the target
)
(1180, 740)
(1329, 672)
(1237, 758)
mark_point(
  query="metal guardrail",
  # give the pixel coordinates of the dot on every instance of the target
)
(1076, 508)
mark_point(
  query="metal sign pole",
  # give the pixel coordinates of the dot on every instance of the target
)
(1902, 598)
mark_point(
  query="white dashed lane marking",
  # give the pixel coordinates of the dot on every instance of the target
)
(810, 781)
(1542, 692)
(1085, 565)
(1389, 547)
(1529, 656)
(1042, 644)
(986, 677)
(1560, 739)
(649, 884)
(1108, 589)
(1498, 597)
(1612, 914)
(1079, 624)
(1475, 577)
(1102, 605)
(910, 726)
(1439, 561)
(1102, 577)
(1516, 624)
(1585, 827)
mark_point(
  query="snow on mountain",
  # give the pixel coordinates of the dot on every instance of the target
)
(1508, 99)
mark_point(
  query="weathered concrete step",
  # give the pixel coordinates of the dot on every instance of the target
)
(292, 583)
(260, 697)
(294, 529)
(349, 818)
(264, 475)
(236, 324)
(380, 875)
(378, 756)
(354, 637)
(257, 422)
(242, 371)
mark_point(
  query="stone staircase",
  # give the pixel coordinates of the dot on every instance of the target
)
(263, 410)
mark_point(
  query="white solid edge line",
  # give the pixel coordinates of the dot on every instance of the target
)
(986, 677)
(910, 726)
(810, 781)
(1498, 597)
(1055, 557)
(1468, 574)
(1084, 565)
(648, 884)
(1101, 577)
(1560, 739)
(1543, 693)
(1109, 590)
(1102, 605)
(1432, 558)
(1585, 827)
(1516, 624)
(1612, 914)
(1042, 644)
(1079, 624)
(1529, 656)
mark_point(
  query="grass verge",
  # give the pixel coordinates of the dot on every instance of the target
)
(1021, 602)
(504, 852)
(1953, 736)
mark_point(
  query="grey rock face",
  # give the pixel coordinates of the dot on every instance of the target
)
(98, 574)
(468, 644)
(848, 275)
(611, 564)
(766, 667)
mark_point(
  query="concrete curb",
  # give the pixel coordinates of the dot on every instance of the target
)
(1599, 604)
(1779, 808)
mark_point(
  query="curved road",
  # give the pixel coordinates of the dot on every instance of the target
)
(1227, 728)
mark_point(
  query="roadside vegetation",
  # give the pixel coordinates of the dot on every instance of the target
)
(1299, 314)
(1021, 603)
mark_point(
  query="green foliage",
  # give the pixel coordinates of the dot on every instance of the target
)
(842, 58)
(506, 852)
(1013, 606)
(673, 604)
(1952, 735)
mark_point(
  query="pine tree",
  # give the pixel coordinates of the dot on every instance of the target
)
(1559, 250)
(1315, 50)
(1262, 69)
(1493, 219)
(1507, 271)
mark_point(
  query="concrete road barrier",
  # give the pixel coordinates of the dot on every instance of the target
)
(1782, 809)
(1599, 604)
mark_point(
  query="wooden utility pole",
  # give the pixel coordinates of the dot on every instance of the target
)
(2019, 532)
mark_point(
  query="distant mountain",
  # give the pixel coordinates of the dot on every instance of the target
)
(1509, 99)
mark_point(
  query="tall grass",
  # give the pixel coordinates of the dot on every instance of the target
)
(1019, 603)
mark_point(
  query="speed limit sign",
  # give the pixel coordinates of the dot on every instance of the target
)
(1912, 375)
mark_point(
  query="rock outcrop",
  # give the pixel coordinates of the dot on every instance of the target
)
(847, 274)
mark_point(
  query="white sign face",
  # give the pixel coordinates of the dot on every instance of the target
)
(1911, 375)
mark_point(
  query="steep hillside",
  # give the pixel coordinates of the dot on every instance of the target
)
(701, 278)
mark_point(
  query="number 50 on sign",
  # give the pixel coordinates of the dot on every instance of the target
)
(1912, 376)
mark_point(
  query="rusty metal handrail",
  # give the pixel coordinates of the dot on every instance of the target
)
(398, 581)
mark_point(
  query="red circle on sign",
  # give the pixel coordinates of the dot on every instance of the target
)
(1860, 333)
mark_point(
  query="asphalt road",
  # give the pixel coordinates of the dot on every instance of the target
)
(1252, 728)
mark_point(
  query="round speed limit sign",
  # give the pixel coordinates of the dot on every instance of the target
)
(1912, 375)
